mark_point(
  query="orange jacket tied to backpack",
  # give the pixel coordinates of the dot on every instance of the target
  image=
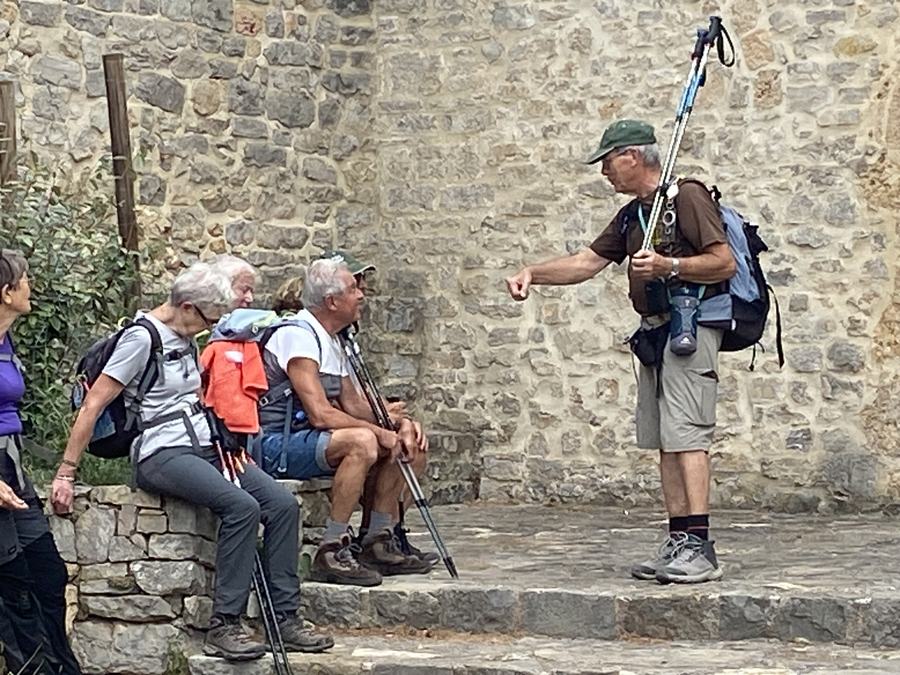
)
(236, 379)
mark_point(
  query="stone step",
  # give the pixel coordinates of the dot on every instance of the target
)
(450, 654)
(564, 573)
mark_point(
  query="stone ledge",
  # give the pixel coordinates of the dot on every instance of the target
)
(141, 570)
(454, 654)
(563, 573)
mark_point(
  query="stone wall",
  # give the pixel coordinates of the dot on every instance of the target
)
(443, 138)
(141, 573)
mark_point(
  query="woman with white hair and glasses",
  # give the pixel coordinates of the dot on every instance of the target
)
(32, 573)
(176, 458)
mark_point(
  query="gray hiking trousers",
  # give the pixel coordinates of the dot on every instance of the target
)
(195, 477)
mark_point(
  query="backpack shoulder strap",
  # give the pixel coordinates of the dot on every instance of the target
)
(713, 191)
(11, 356)
(627, 215)
(154, 363)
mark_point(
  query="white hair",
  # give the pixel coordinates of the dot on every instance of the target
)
(205, 286)
(648, 153)
(323, 280)
(233, 267)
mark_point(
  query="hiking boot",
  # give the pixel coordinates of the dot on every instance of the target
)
(695, 563)
(646, 571)
(228, 639)
(407, 548)
(383, 553)
(337, 562)
(299, 638)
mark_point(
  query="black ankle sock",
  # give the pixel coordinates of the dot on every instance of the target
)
(698, 525)
(678, 524)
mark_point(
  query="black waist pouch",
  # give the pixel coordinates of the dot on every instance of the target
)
(649, 344)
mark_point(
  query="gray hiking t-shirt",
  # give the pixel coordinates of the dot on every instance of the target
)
(175, 389)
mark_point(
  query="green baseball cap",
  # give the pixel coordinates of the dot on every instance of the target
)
(354, 265)
(621, 134)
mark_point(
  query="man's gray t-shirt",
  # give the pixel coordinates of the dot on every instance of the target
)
(175, 389)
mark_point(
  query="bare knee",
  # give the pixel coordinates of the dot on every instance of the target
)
(363, 446)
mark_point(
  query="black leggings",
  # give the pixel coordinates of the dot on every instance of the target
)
(32, 589)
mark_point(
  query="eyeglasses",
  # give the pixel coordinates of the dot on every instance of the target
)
(612, 155)
(203, 316)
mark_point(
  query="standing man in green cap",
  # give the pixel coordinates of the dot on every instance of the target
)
(676, 393)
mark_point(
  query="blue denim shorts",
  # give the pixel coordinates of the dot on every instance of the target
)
(305, 454)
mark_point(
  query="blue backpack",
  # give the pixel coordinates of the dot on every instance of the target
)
(742, 312)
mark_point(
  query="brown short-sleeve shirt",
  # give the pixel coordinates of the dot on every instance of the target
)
(699, 226)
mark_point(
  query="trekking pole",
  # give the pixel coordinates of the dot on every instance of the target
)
(270, 620)
(383, 419)
(715, 35)
(260, 585)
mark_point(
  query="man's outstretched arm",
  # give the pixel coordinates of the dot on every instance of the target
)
(570, 269)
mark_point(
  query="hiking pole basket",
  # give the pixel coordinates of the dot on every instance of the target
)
(707, 38)
(383, 419)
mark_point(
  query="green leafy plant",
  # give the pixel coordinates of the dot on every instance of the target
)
(80, 278)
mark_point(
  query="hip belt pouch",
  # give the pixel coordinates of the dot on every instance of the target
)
(648, 344)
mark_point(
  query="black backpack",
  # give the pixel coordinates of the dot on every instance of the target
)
(119, 423)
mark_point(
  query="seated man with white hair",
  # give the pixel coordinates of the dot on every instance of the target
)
(315, 422)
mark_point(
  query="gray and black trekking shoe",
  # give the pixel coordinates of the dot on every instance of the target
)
(338, 563)
(695, 563)
(382, 552)
(646, 571)
(407, 548)
(228, 639)
(298, 638)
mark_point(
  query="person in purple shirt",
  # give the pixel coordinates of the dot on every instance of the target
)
(32, 573)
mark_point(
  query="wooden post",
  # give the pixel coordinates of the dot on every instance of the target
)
(7, 131)
(123, 173)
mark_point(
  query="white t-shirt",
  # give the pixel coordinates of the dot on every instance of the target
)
(291, 342)
(175, 388)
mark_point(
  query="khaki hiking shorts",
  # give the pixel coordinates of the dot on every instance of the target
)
(679, 415)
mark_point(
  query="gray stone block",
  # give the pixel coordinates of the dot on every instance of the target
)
(479, 610)
(126, 549)
(140, 649)
(122, 494)
(668, 617)
(406, 608)
(57, 70)
(215, 14)
(246, 98)
(40, 13)
(163, 578)
(160, 91)
(568, 614)
(336, 605)
(93, 531)
(813, 619)
(130, 608)
(743, 617)
(87, 20)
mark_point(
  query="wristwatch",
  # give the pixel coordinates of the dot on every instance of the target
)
(676, 268)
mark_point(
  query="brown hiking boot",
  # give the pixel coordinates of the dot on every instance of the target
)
(383, 553)
(337, 563)
(299, 638)
(227, 638)
(406, 547)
